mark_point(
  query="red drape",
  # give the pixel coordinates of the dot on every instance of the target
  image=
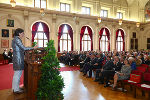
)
(81, 35)
(46, 30)
(60, 32)
(91, 36)
(108, 36)
(34, 30)
(70, 31)
(100, 36)
(122, 35)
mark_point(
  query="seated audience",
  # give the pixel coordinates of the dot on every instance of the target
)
(10, 55)
(123, 74)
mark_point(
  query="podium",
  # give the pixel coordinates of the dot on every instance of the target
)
(33, 62)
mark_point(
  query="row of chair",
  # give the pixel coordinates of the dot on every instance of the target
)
(140, 80)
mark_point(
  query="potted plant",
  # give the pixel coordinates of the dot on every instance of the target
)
(51, 83)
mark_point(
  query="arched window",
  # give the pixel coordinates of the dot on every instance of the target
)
(86, 43)
(40, 34)
(65, 38)
(120, 44)
(104, 40)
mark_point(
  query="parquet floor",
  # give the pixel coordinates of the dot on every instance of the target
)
(78, 87)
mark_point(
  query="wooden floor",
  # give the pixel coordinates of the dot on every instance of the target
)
(78, 87)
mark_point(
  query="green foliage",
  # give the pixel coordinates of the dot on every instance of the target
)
(34, 44)
(51, 82)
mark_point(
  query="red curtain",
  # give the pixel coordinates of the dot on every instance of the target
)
(70, 31)
(46, 30)
(100, 36)
(122, 35)
(90, 34)
(81, 35)
(60, 32)
(34, 30)
(108, 36)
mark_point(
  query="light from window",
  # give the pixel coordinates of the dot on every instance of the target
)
(104, 13)
(86, 41)
(86, 10)
(40, 37)
(65, 40)
(104, 42)
(119, 43)
(64, 7)
(119, 15)
(40, 3)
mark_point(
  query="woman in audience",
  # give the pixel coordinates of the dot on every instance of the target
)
(123, 75)
(132, 63)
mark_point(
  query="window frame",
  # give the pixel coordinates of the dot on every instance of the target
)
(86, 10)
(86, 41)
(40, 4)
(106, 41)
(119, 37)
(37, 39)
(103, 11)
(65, 6)
(120, 13)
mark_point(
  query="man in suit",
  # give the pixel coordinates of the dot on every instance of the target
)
(109, 70)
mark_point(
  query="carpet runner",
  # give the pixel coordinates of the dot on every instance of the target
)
(6, 75)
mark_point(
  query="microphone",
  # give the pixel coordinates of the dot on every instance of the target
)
(28, 38)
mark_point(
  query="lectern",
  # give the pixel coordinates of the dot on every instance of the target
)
(32, 72)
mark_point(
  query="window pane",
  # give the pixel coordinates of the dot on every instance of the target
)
(40, 35)
(67, 8)
(64, 36)
(83, 10)
(69, 45)
(43, 3)
(45, 36)
(82, 45)
(45, 42)
(88, 11)
(105, 13)
(88, 37)
(61, 48)
(85, 45)
(118, 15)
(62, 7)
(37, 3)
(40, 43)
(64, 45)
(36, 36)
(89, 45)
(69, 37)
(101, 13)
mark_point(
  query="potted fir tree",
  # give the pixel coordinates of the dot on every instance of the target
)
(51, 83)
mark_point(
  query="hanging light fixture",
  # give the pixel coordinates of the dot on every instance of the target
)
(138, 23)
(42, 12)
(99, 20)
(120, 21)
(13, 3)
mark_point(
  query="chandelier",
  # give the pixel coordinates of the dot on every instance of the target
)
(120, 21)
(13, 3)
(99, 19)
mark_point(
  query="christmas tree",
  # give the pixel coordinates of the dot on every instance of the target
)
(51, 82)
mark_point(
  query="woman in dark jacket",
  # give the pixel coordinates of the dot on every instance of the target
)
(123, 74)
(18, 59)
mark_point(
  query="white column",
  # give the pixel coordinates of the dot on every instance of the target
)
(128, 37)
